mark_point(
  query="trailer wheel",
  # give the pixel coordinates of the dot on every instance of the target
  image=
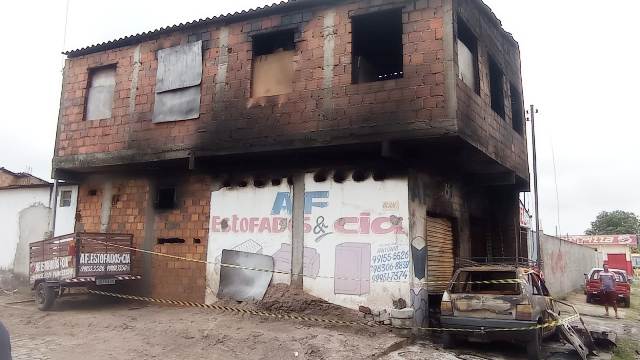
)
(45, 296)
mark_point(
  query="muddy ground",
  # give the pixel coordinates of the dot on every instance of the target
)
(81, 328)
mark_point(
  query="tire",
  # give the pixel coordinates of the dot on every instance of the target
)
(449, 341)
(627, 302)
(534, 346)
(45, 296)
(589, 298)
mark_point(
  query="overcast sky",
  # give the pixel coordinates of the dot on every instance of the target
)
(579, 66)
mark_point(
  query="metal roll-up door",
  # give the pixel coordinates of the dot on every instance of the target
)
(440, 262)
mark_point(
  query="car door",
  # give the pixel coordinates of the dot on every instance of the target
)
(540, 298)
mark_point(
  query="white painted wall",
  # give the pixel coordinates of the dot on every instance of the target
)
(356, 237)
(359, 233)
(12, 202)
(242, 218)
(66, 216)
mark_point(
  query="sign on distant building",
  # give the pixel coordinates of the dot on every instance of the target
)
(604, 239)
(525, 218)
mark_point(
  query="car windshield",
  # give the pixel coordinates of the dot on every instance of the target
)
(618, 275)
(481, 282)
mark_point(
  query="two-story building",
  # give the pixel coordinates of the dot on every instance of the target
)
(362, 144)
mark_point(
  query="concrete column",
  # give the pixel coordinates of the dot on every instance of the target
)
(297, 235)
(149, 238)
(105, 214)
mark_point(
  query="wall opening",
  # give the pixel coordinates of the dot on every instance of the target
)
(165, 198)
(170, 241)
(468, 69)
(517, 111)
(99, 102)
(496, 83)
(376, 46)
(272, 63)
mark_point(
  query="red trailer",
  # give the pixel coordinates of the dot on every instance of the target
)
(59, 265)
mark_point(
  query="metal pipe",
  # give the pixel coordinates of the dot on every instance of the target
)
(535, 184)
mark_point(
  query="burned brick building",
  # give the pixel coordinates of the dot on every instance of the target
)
(363, 144)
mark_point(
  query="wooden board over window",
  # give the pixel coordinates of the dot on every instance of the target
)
(440, 262)
(272, 74)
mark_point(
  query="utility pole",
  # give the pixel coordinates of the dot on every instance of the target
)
(532, 114)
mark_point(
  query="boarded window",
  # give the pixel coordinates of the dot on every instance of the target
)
(496, 82)
(377, 46)
(517, 113)
(102, 82)
(178, 83)
(272, 64)
(468, 57)
(65, 198)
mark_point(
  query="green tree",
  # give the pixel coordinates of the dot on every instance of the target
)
(615, 222)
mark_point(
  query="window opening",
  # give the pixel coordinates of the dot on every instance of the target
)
(102, 83)
(65, 198)
(377, 46)
(272, 63)
(468, 70)
(517, 115)
(166, 198)
(496, 79)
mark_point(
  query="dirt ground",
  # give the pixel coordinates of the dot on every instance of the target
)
(81, 328)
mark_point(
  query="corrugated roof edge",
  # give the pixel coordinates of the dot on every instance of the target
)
(259, 11)
(134, 39)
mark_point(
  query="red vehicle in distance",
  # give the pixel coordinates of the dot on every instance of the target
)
(592, 286)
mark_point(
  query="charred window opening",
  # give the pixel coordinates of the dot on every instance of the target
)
(376, 46)
(517, 111)
(272, 63)
(496, 83)
(93, 192)
(166, 198)
(468, 69)
(170, 241)
(102, 83)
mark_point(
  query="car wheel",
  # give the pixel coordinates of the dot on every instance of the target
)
(589, 299)
(534, 346)
(449, 341)
(627, 302)
(45, 296)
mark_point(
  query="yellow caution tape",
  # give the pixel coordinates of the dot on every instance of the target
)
(504, 281)
(290, 316)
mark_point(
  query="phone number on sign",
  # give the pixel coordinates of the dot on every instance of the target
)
(390, 276)
(391, 266)
(394, 256)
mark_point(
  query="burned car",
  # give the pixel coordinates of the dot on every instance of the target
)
(484, 298)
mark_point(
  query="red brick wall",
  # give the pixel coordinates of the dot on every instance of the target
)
(169, 278)
(231, 121)
(181, 279)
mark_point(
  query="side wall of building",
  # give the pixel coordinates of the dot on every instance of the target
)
(565, 263)
(478, 123)
(324, 107)
(24, 218)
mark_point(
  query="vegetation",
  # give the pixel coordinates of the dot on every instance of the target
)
(615, 222)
